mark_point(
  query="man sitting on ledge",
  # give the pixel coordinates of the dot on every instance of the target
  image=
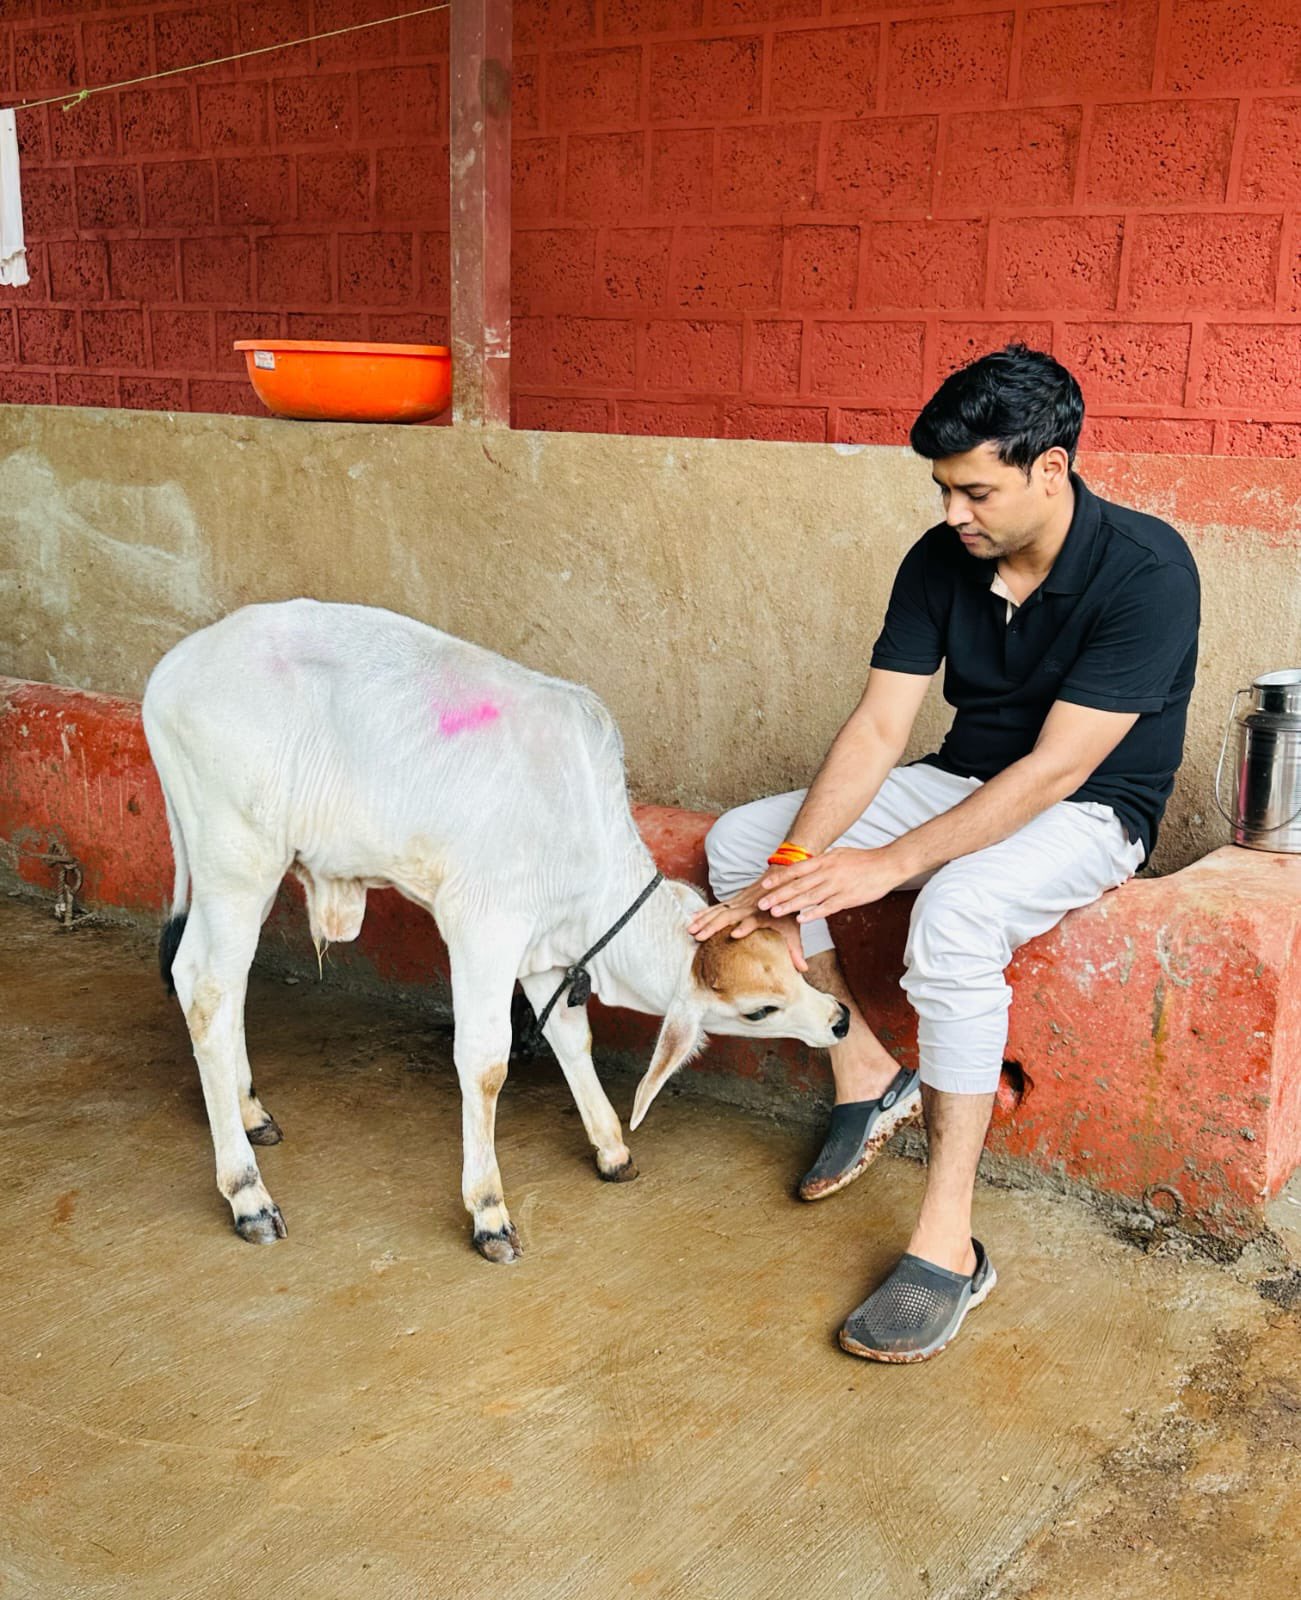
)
(1068, 631)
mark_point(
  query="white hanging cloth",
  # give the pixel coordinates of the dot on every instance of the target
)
(13, 253)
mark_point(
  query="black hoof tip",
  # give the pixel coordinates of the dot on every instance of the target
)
(268, 1132)
(262, 1227)
(503, 1247)
(624, 1174)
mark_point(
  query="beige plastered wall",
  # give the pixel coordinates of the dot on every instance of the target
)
(721, 596)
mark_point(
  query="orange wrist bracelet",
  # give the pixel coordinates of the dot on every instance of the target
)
(789, 855)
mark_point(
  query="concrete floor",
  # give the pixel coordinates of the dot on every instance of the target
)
(651, 1403)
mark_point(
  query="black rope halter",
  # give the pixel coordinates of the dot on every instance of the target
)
(577, 979)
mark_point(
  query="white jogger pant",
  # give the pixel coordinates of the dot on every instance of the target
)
(970, 915)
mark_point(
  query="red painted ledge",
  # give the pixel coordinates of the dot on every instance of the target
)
(1156, 1035)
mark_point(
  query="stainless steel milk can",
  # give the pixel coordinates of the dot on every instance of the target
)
(1265, 736)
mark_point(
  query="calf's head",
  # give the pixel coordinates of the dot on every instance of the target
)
(744, 986)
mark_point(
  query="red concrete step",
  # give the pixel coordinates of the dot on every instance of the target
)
(1155, 1042)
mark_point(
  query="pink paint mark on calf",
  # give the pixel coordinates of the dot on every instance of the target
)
(464, 719)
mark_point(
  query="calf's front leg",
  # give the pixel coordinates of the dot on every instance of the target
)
(495, 1237)
(569, 1034)
(484, 965)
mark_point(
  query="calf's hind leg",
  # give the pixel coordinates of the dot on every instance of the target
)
(261, 1127)
(570, 1036)
(484, 962)
(211, 977)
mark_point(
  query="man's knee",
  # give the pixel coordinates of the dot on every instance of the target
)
(719, 842)
(734, 847)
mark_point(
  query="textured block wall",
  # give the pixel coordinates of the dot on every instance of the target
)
(790, 218)
(302, 193)
(761, 218)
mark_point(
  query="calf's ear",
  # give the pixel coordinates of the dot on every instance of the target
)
(680, 1038)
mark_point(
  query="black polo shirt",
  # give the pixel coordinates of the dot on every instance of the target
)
(1113, 626)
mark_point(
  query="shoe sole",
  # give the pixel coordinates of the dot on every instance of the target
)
(888, 1124)
(907, 1358)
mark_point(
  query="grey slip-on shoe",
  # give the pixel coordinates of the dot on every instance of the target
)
(917, 1310)
(858, 1132)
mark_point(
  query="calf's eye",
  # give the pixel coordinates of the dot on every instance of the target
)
(760, 1014)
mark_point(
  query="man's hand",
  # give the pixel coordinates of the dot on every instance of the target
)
(831, 882)
(742, 915)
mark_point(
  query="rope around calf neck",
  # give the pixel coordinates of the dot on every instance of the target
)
(577, 979)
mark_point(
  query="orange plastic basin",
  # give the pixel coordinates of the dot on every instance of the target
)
(323, 380)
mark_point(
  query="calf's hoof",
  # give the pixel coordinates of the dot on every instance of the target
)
(262, 1227)
(625, 1172)
(268, 1132)
(502, 1247)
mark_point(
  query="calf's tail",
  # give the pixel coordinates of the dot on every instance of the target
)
(169, 940)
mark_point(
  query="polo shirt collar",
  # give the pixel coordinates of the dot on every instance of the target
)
(1075, 560)
(1070, 572)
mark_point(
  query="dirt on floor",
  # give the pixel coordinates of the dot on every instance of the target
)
(651, 1403)
(1205, 1499)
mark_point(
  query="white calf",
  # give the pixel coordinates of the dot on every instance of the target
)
(358, 748)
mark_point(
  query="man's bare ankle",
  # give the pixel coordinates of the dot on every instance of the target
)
(862, 1080)
(944, 1248)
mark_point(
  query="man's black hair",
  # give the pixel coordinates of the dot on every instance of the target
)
(1018, 399)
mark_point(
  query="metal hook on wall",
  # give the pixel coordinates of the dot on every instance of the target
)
(67, 913)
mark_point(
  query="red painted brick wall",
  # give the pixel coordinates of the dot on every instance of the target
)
(790, 218)
(301, 193)
(771, 218)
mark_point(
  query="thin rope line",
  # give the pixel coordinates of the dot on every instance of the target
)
(533, 1034)
(66, 102)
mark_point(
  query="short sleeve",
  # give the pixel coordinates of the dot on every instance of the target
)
(910, 638)
(1142, 640)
